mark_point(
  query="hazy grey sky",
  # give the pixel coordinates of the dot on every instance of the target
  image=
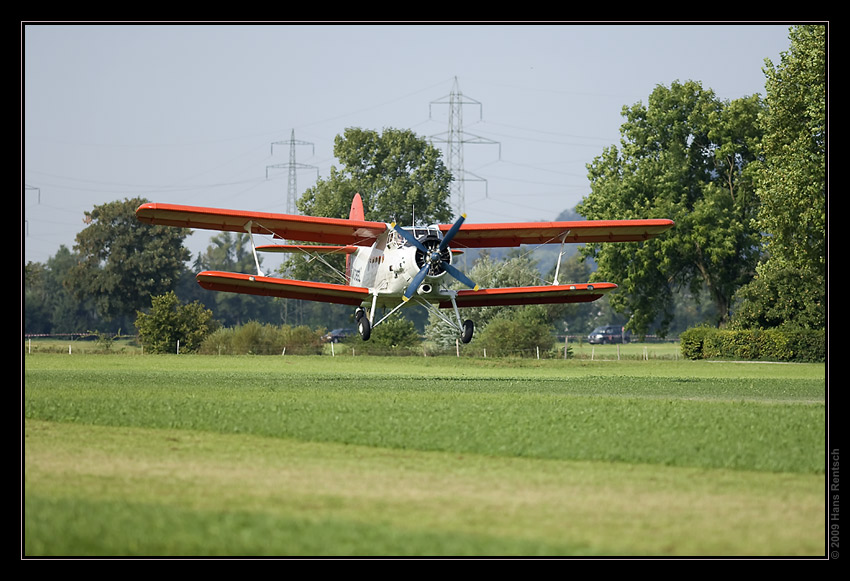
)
(188, 113)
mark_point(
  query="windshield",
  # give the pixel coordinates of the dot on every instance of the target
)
(395, 239)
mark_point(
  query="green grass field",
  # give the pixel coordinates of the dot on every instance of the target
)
(128, 455)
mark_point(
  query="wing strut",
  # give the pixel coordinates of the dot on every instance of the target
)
(247, 227)
(560, 256)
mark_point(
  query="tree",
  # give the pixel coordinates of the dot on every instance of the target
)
(790, 287)
(396, 173)
(171, 323)
(48, 306)
(685, 156)
(123, 261)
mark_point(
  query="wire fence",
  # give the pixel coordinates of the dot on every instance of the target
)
(564, 348)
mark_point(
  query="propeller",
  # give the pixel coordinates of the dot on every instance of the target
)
(436, 258)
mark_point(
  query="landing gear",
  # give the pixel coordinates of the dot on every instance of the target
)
(364, 327)
(466, 333)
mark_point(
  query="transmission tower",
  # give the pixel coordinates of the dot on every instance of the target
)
(293, 167)
(455, 138)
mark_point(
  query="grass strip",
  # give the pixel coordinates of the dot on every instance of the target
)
(747, 422)
(101, 490)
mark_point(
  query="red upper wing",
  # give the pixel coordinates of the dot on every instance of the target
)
(364, 233)
(584, 231)
(286, 226)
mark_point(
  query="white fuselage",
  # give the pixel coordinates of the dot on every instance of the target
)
(388, 266)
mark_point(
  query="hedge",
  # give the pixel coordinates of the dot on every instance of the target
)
(754, 344)
(254, 338)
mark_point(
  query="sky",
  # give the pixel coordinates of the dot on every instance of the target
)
(204, 114)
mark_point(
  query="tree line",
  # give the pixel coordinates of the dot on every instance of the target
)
(744, 181)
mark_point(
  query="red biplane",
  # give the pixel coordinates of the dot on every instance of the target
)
(390, 266)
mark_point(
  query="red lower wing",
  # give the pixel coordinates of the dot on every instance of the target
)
(531, 295)
(282, 287)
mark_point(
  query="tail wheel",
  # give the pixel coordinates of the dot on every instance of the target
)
(364, 328)
(468, 329)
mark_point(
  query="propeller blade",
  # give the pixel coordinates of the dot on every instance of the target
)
(459, 275)
(409, 237)
(414, 284)
(444, 243)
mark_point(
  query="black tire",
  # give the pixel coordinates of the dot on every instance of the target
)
(468, 330)
(364, 327)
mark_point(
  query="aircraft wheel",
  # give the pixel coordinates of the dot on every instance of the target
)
(358, 314)
(468, 328)
(364, 328)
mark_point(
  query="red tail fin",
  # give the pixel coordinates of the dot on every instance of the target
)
(357, 209)
(356, 213)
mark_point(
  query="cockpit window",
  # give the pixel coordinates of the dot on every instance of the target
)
(396, 240)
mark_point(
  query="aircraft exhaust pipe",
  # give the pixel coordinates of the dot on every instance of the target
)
(425, 289)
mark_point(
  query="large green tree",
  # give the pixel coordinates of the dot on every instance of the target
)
(790, 287)
(685, 155)
(122, 262)
(48, 306)
(397, 173)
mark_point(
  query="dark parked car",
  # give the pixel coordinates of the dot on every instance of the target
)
(338, 335)
(609, 334)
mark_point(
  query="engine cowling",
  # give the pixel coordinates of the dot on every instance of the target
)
(434, 257)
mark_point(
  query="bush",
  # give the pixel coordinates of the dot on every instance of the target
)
(517, 333)
(807, 345)
(754, 344)
(693, 341)
(395, 336)
(255, 338)
(171, 323)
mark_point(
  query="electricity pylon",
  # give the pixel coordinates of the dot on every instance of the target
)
(293, 167)
(455, 138)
